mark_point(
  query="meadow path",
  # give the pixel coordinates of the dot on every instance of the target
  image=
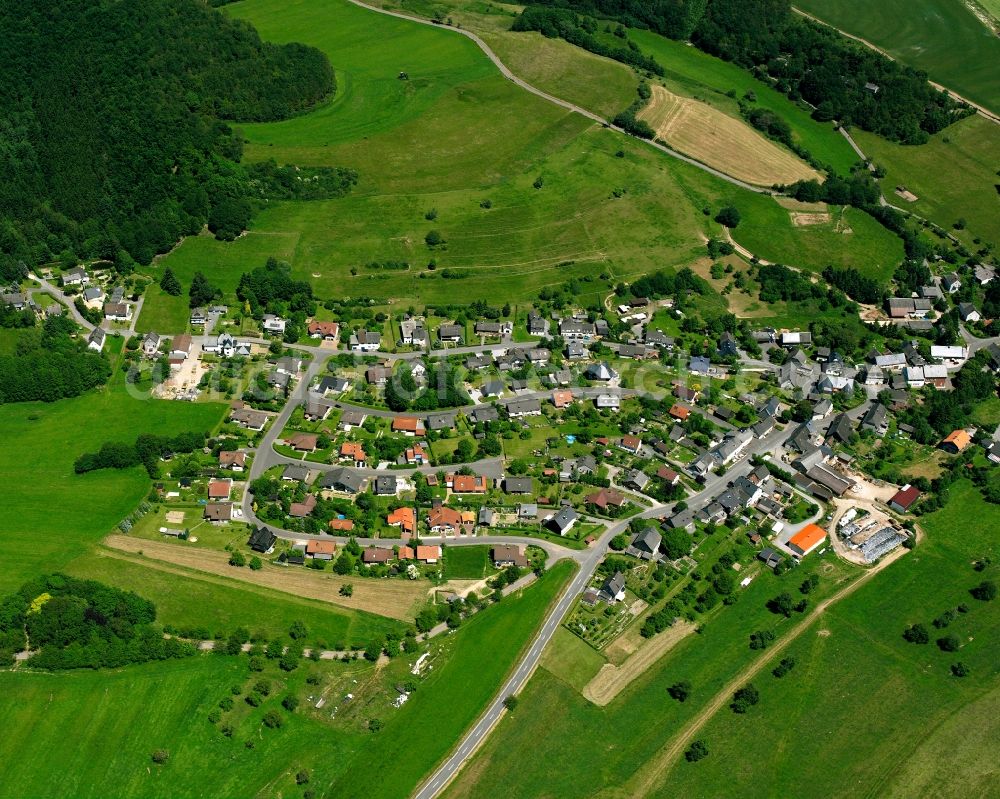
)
(505, 71)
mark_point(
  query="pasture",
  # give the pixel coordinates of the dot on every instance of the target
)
(953, 175)
(50, 514)
(692, 73)
(929, 735)
(941, 37)
(724, 142)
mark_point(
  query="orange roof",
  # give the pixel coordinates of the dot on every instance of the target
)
(405, 517)
(959, 438)
(468, 517)
(680, 412)
(302, 441)
(407, 553)
(562, 398)
(323, 328)
(321, 547)
(808, 537)
(341, 524)
(352, 449)
(443, 516)
(407, 424)
(219, 489)
(468, 484)
(428, 553)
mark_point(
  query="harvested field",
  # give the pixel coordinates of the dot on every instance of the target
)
(722, 141)
(800, 219)
(611, 680)
(396, 599)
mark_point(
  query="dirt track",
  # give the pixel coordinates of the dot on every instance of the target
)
(611, 680)
(397, 599)
(721, 141)
(652, 773)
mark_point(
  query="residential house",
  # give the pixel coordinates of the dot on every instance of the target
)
(931, 293)
(682, 520)
(198, 317)
(441, 421)
(219, 512)
(487, 517)
(340, 525)
(876, 419)
(968, 313)
(539, 356)
(328, 331)
(841, 428)
(606, 498)
(951, 282)
(378, 375)
(345, 481)
(562, 399)
(770, 557)
(631, 444)
(485, 414)
(658, 339)
(316, 407)
(564, 520)
(668, 475)
(92, 295)
(228, 347)
(385, 486)
(408, 425)
(686, 394)
(262, 540)
(452, 333)
(404, 518)
(289, 365)
(350, 419)
(353, 452)
(299, 510)
(428, 553)
(577, 328)
(698, 365)
(527, 511)
(235, 461)
(518, 485)
(118, 311)
(96, 339)
(795, 338)
(956, 441)
(365, 341)
(303, 442)
(983, 273)
(180, 348)
(467, 483)
(727, 345)
(679, 412)
(601, 372)
(274, 325)
(249, 419)
(806, 540)
(517, 409)
(537, 326)
(576, 351)
(611, 402)
(77, 276)
(373, 556)
(646, 544)
(295, 473)
(953, 354)
(443, 520)
(505, 555)
(219, 489)
(637, 480)
(613, 589)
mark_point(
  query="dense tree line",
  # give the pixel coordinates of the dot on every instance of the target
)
(841, 79)
(273, 283)
(112, 142)
(855, 285)
(859, 190)
(668, 284)
(82, 624)
(50, 364)
(942, 411)
(558, 23)
(147, 451)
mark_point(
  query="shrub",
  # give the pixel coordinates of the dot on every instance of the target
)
(986, 591)
(785, 666)
(917, 634)
(761, 639)
(745, 698)
(510, 703)
(680, 690)
(290, 702)
(696, 751)
(949, 643)
(160, 756)
(959, 669)
(729, 216)
(302, 777)
(272, 719)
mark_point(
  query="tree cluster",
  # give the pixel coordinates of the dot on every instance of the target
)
(112, 143)
(76, 623)
(147, 451)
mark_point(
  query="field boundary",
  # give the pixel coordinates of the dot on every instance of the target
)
(611, 680)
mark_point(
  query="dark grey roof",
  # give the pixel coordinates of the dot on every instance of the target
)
(261, 540)
(343, 480)
(518, 485)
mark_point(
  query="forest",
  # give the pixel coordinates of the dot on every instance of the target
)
(49, 364)
(114, 139)
(842, 80)
(76, 623)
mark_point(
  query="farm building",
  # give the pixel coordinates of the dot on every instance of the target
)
(806, 540)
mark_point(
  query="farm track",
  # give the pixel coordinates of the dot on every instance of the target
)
(650, 776)
(505, 71)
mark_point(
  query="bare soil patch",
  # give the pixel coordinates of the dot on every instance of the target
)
(396, 599)
(611, 680)
(802, 220)
(722, 141)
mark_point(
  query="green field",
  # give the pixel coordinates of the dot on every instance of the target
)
(466, 563)
(954, 175)
(853, 661)
(861, 707)
(233, 603)
(461, 136)
(941, 37)
(50, 514)
(696, 74)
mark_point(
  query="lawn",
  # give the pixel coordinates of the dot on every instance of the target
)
(466, 563)
(691, 72)
(930, 734)
(50, 514)
(941, 37)
(953, 175)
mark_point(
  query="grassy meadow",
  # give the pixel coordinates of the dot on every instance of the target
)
(941, 37)
(954, 175)
(863, 706)
(51, 514)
